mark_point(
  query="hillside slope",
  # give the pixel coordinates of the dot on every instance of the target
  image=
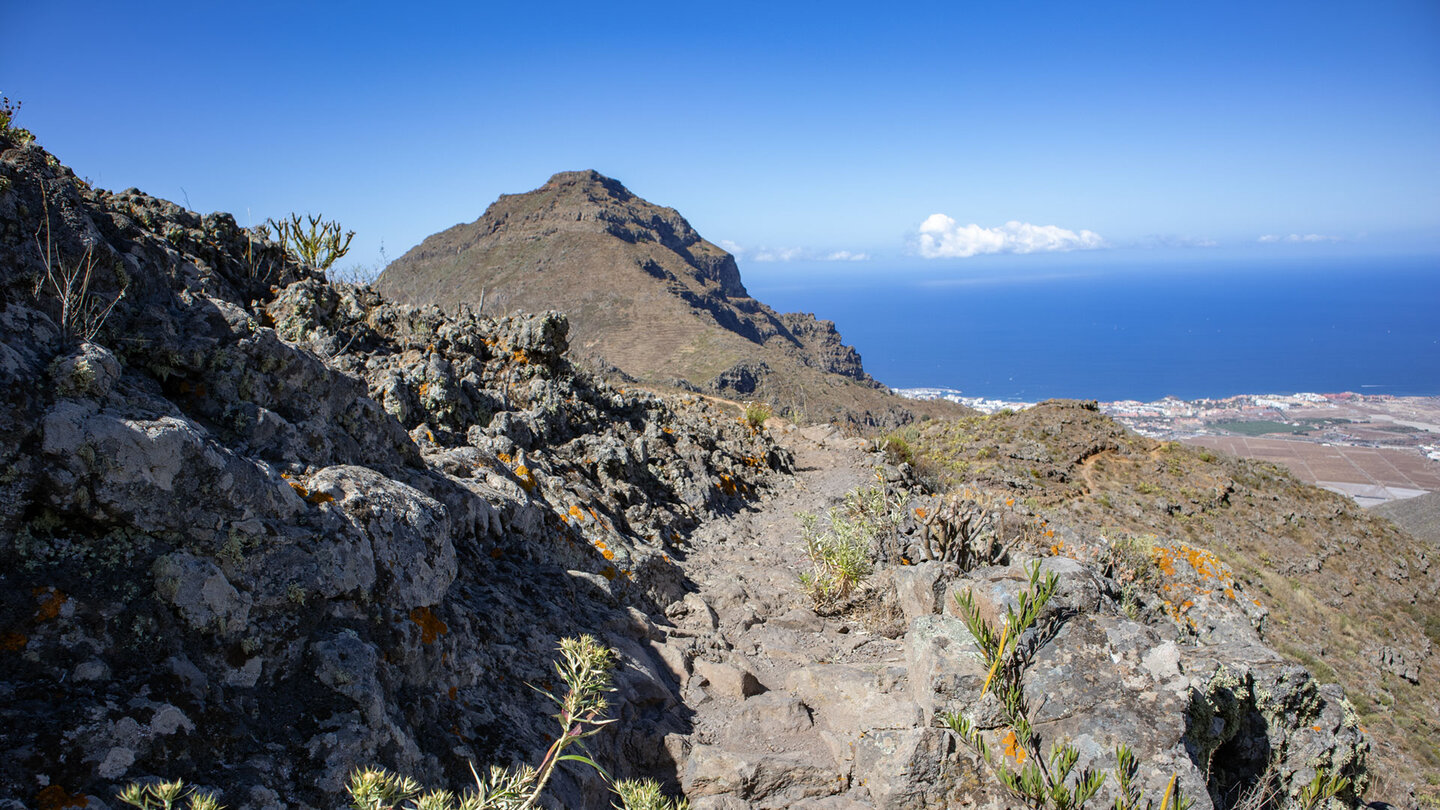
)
(1348, 595)
(647, 294)
(1419, 516)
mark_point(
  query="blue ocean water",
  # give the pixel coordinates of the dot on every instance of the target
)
(1193, 331)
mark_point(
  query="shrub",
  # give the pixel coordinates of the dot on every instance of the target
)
(898, 450)
(312, 242)
(839, 556)
(8, 130)
(756, 413)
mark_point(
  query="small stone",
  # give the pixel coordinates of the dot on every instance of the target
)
(727, 680)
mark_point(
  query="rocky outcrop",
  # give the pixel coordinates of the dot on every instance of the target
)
(258, 529)
(644, 292)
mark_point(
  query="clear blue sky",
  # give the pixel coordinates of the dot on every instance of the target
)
(791, 130)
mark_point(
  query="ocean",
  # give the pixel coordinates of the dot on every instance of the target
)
(1125, 332)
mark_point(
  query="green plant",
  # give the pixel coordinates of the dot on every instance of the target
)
(1047, 782)
(756, 413)
(585, 668)
(839, 557)
(8, 130)
(645, 794)
(167, 796)
(312, 241)
(898, 450)
(1326, 785)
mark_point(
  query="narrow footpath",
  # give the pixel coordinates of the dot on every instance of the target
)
(780, 695)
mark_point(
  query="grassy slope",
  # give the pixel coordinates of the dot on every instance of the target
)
(1339, 583)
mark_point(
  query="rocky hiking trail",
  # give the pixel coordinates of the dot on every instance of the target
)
(789, 708)
(767, 672)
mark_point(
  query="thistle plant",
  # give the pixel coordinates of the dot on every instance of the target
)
(585, 668)
(1044, 782)
(644, 794)
(167, 796)
(8, 131)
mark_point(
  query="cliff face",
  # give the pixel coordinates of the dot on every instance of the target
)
(644, 292)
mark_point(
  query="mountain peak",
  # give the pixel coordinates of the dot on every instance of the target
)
(644, 292)
(591, 180)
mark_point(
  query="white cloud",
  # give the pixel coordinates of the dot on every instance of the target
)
(791, 254)
(943, 238)
(1298, 237)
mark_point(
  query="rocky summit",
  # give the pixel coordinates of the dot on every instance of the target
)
(261, 531)
(645, 294)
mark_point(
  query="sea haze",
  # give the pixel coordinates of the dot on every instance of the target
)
(1109, 333)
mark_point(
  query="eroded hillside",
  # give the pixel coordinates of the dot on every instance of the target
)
(1348, 595)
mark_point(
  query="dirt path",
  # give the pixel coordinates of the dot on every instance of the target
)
(779, 694)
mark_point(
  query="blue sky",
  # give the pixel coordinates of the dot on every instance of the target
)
(794, 132)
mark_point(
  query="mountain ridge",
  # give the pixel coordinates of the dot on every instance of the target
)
(646, 293)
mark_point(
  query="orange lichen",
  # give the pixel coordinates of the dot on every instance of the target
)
(577, 514)
(496, 554)
(1013, 749)
(56, 797)
(920, 512)
(527, 478)
(608, 572)
(453, 692)
(505, 457)
(50, 603)
(424, 388)
(431, 627)
(13, 642)
(299, 489)
(1009, 501)
(607, 554)
(317, 497)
